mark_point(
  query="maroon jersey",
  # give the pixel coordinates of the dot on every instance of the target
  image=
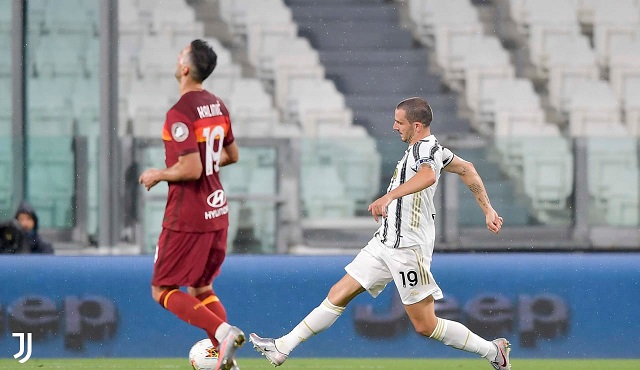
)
(198, 122)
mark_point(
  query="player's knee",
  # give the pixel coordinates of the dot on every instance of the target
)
(425, 327)
(155, 294)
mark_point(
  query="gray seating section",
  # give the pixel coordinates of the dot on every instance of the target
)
(369, 55)
(375, 63)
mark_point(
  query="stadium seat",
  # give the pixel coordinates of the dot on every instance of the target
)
(131, 19)
(593, 109)
(522, 124)
(154, 157)
(264, 38)
(432, 16)
(60, 56)
(468, 51)
(613, 179)
(504, 95)
(353, 154)
(157, 58)
(251, 109)
(50, 152)
(148, 103)
(449, 42)
(263, 213)
(49, 108)
(528, 13)
(568, 62)
(71, 17)
(513, 148)
(53, 212)
(622, 207)
(543, 40)
(313, 103)
(264, 14)
(51, 178)
(236, 178)
(622, 211)
(222, 81)
(286, 74)
(632, 106)
(133, 25)
(547, 173)
(624, 65)
(614, 19)
(323, 193)
(171, 16)
(239, 179)
(287, 53)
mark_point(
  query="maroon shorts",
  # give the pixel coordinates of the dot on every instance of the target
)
(188, 259)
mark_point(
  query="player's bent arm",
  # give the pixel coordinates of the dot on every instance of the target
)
(188, 167)
(424, 178)
(472, 179)
(230, 154)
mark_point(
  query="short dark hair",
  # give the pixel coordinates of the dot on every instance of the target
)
(203, 60)
(417, 110)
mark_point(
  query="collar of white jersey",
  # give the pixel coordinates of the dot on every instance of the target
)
(424, 140)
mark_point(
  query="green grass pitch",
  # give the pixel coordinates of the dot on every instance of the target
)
(300, 364)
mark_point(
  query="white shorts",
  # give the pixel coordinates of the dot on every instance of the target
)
(376, 265)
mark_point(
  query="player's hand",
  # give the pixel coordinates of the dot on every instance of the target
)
(494, 222)
(150, 178)
(379, 207)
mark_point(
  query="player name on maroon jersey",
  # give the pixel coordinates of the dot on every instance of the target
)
(211, 110)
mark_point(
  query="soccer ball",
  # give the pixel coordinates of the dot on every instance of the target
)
(203, 355)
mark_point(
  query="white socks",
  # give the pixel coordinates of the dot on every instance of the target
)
(448, 332)
(318, 320)
(458, 336)
(222, 331)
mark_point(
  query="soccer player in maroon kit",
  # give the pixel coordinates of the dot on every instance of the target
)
(198, 140)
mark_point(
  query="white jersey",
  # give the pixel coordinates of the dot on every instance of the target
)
(410, 219)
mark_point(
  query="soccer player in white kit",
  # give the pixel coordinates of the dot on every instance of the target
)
(401, 248)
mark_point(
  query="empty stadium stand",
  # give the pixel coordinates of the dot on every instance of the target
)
(584, 56)
(543, 83)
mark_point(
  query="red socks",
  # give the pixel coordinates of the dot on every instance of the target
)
(212, 302)
(204, 311)
(191, 310)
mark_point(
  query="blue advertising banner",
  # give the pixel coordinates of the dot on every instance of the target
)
(547, 305)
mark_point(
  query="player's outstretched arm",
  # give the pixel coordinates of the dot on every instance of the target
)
(472, 179)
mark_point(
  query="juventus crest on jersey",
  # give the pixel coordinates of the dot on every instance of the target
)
(410, 219)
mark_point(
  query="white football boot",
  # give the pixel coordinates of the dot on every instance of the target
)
(228, 347)
(502, 358)
(267, 346)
